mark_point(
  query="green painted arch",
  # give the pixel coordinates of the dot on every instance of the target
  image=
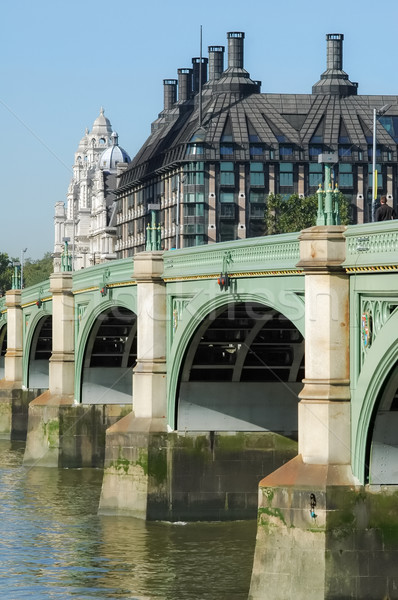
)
(195, 313)
(86, 325)
(35, 318)
(380, 360)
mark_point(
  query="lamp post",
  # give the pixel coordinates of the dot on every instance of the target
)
(376, 113)
(22, 263)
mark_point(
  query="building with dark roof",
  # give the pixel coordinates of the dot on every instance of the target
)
(212, 158)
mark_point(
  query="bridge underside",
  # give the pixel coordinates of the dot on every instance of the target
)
(242, 372)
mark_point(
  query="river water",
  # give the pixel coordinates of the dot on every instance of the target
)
(54, 545)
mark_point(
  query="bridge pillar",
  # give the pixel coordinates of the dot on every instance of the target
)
(13, 400)
(13, 357)
(62, 361)
(149, 378)
(43, 443)
(136, 446)
(304, 548)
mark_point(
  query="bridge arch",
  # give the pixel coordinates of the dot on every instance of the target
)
(103, 359)
(375, 387)
(192, 323)
(38, 344)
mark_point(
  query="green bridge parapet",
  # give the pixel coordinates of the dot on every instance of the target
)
(38, 293)
(372, 246)
(266, 255)
(114, 273)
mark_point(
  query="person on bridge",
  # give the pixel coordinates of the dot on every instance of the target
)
(384, 212)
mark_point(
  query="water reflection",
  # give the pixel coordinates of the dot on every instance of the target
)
(53, 544)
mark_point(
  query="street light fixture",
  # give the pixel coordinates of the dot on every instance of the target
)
(377, 112)
(22, 263)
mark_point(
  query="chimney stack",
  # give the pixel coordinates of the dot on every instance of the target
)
(334, 80)
(334, 52)
(216, 62)
(235, 49)
(184, 84)
(169, 93)
(196, 69)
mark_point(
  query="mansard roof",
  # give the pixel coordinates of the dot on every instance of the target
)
(233, 110)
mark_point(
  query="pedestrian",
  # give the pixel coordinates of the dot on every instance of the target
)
(384, 212)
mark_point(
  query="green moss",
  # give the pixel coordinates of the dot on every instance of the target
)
(270, 512)
(142, 460)
(285, 443)
(51, 432)
(231, 443)
(157, 465)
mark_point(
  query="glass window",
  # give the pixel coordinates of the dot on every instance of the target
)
(227, 175)
(285, 150)
(194, 178)
(314, 150)
(346, 177)
(315, 175)
(226, 149)
(286, 174)
(256, 150)
(257, 197)
(227, 197)
(194, 149)
(345, 151)
(193, 197)
(257, 179)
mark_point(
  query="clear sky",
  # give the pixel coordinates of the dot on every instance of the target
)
(61, 60)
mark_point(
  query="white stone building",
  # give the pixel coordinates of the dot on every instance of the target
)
(88, 218)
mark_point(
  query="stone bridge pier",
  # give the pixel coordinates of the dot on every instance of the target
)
(320, 534)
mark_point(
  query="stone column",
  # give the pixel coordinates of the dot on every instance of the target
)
(149, 378)
(324, 410)
(135, 470)
(62, 361)
(13, 357)
(44, 439)
(303, 536)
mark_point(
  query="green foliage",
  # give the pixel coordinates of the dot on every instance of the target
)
(6, 272)
(284, 215)
(35, 271)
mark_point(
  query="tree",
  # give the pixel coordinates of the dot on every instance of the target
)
(6, 272)
(283, 215)
(35, 271)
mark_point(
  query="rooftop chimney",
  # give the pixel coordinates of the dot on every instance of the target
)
(216, 62)
(235, 49)
(196, 68)
(184, 84)
(169, 92)
(334, 80)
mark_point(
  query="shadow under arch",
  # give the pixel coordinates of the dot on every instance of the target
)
(108, 352)
(379, 368)
(192, 325)
(3, 349)
(38, 354)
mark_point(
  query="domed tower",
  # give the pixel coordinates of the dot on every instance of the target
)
(103, 210)
(90, 194)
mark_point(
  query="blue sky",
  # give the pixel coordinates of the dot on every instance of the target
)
(62, 60)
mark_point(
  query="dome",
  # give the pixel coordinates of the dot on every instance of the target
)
(113, 155)
(102, 125)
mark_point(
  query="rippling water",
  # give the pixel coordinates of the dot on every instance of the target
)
(53, 544)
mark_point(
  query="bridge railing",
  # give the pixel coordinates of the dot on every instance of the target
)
(266, 255)
(39, 292)
(116, 272)
(372, 245)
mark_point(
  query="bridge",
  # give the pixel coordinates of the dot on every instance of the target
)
(210, 368)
